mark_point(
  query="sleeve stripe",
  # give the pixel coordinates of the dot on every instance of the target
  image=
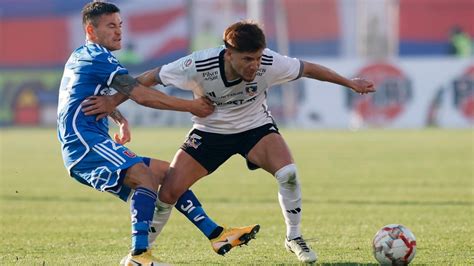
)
(208, 68)
(206, 64)
(205, 60)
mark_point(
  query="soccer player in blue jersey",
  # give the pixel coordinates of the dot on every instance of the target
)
(93, 158)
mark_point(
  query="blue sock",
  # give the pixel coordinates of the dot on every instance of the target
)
(142, 207)
(190, 206)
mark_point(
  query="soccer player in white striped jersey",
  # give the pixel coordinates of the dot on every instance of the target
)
(236, 77)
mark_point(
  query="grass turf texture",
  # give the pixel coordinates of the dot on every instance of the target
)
(353, 183)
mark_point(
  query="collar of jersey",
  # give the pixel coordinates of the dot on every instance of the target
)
(93, 43)
(222, 70)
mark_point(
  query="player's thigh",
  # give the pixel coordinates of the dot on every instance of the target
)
(183, 172)
(270, 153)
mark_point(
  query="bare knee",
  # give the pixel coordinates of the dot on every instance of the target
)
(159, 169)
(139, 175)
(169, 195)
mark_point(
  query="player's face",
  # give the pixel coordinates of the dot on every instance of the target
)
(108, 32)
(246, 64)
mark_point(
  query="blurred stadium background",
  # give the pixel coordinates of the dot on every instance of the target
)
(405, 46)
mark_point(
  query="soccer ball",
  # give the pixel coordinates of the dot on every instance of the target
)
(394, 244)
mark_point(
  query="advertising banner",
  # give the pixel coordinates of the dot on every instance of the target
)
(411, 93)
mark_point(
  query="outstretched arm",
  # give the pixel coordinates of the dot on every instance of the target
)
(150, 78)
(319, 72)
(129, 87)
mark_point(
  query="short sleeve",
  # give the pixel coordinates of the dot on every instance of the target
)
(106, 66)
(281, 69)
(180, 73)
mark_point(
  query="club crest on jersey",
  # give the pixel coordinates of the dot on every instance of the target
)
(129, 153)
(194, 141)
(251, 90)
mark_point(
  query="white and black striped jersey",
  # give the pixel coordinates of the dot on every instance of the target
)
(240, 105)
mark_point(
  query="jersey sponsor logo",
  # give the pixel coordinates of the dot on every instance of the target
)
(237, 102)
(261, 72)
(129, 153)
(210, 75)
(194, 141)
(463, 94)
(112, 60)
(233, 94)
(394, 91)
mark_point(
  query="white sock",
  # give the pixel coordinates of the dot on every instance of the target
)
(160, 218)
(289, 196)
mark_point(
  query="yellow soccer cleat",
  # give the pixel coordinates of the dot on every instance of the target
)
(144, 259)
(232, 237)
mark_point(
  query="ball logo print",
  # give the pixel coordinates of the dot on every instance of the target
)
(394, 90)
(463, 91)
(394, 244)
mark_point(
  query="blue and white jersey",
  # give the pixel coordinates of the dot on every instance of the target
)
(88, 72)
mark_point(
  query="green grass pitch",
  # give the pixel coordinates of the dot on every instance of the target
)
(353, 183)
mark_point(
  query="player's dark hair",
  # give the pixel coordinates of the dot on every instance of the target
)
(244, 36)
(93, 10)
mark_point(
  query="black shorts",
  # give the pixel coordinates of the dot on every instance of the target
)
(212, 149)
